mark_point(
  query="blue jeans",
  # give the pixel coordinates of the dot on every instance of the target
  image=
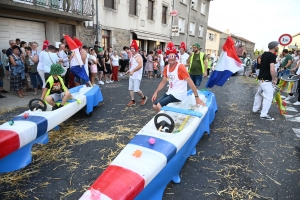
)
(284, 72)
(196, 79)
(1, 83)
(35, 79)
(166, 99)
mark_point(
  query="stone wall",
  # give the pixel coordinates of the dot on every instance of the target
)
(86, 35)
(120, 38)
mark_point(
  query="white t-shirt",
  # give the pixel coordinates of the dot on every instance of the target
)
(298, 71)
(62, 55)
(115, 60)
(40, 64)
(183, 58)
(49, 58)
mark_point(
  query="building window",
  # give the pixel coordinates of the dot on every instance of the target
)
(181, 24)
(192, 28)
(132, 7)
(194, 4)
(109, 4)
(211, 37)
(164, 15)
(203, 8)
(200, 34)
(150, 9)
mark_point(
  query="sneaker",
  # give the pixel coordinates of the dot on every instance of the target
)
(144, 101)
(297, 103)
(1, 96)
(297, 148)
(4, 91)
(256, 112)
(111, 81)
(35, 93)
(267, 118)
(107, 81)
(101, 82)
(289, 98)
(131, 103)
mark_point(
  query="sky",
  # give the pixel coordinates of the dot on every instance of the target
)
(260, 21)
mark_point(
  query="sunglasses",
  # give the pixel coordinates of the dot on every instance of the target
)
(172, 56)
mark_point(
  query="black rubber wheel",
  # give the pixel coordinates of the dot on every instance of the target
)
(34, 104)
(170, 127)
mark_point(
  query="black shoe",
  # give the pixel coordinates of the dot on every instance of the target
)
(60, 106)
(297, 148)
(2, 96)
(267, 118)
(4, 91)
(54, 107)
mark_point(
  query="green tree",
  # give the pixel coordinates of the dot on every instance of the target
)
(261, 51)
(256, 52)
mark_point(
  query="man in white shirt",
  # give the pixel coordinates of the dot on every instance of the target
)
(183, 56)
(64, 57)
(49, 58)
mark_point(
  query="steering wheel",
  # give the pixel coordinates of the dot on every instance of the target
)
(35, 104)
(162, 124)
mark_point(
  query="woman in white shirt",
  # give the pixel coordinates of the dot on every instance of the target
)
(93, 66)
(115, 66)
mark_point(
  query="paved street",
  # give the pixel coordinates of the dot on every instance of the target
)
(244, 157)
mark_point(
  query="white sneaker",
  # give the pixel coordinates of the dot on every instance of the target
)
(111, 81)
(100, 82)
(297, 103)
(289, 98)
(107, 81)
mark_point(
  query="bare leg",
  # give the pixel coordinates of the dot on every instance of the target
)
(141, 94)
(20, 94)
(157, 107)
(131, 94)
(49, 100)
(66, 97)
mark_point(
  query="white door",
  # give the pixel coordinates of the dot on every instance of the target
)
(27, 31)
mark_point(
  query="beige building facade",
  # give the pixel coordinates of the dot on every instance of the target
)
(147, 21)
(192, 20)
(212, 41)
(31, 20)
(248, 45)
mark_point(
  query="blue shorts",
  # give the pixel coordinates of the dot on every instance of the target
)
(196, 79)
(166, 99)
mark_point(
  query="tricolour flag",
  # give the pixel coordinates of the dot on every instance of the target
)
(228, 64)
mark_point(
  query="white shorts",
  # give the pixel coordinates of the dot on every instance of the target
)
(134, 84)
(57, 97)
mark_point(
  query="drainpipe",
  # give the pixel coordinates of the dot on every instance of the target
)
(97, 24)
(188, 26)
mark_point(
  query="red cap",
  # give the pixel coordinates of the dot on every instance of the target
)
(182, 45)
(159, 51)
(171, 48)
(72, 45)
(78, 42)
(46, 44)
(134, 45)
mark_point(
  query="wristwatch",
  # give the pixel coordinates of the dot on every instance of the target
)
(196, 96)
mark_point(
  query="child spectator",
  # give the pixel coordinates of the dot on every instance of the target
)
(155, 67)
(55, 88)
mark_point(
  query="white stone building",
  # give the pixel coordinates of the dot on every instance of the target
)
(147, 21)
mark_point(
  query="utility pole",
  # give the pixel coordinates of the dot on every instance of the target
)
(97, 22)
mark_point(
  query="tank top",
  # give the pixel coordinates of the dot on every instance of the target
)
(177, 87)
(76, 60)
(132, 65)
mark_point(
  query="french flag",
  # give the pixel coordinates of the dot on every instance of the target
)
(228, 64)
